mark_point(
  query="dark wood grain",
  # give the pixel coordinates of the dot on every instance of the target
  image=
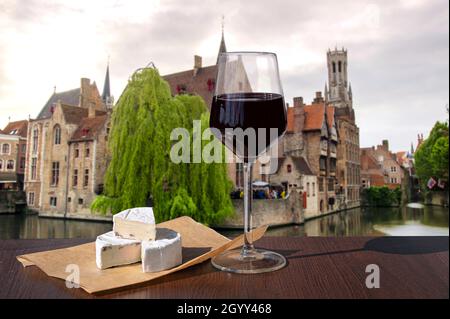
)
(318, 267)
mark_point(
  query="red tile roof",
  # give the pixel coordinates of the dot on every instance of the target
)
(20, 128)
(330, 115)
(290, 120)
(314, 117)
(89, 128)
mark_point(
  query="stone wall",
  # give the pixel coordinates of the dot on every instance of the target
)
(273, 212)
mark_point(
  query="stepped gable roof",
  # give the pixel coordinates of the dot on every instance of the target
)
(16, 128)
(71, 97)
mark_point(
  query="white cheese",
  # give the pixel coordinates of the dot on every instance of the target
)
(135, 223)
(163, 253)
(113, 251)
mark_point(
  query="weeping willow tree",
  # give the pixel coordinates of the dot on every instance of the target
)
(141, 166)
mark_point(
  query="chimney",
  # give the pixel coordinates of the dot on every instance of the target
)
(84, 92)
(298, 101)
(91, 110)
(385, 145)
(318, 99)
(197, 63)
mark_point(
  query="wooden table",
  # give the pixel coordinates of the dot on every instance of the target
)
(318, 267)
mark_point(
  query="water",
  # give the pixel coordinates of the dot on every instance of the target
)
(405, 221)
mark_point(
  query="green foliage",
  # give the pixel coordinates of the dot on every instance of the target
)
(381, 196)
(431, 158)
(141, 167)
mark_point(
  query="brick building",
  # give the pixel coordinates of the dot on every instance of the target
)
(338, 93)
(13, 144)
(377, 162)
(67, 158)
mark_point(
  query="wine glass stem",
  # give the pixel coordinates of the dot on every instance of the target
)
(247, 249)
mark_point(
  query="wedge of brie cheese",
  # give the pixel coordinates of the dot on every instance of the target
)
(135, 223)
(111, 251)
(163, 253)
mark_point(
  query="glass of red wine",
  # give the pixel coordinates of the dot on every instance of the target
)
(248, 115)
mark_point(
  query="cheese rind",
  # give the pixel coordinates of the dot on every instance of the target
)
(111, 251)
(163, 253)
(135, 223)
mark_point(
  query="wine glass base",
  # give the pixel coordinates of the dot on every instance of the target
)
(258, 261)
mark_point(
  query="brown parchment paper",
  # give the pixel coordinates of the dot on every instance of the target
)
(199, 242)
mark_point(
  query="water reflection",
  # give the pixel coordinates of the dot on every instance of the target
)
(404, 221)
(21, 226)
(430, 221)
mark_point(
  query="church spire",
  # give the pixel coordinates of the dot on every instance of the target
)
(223, 47)
(106, 95)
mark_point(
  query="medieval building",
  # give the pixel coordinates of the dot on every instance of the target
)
(13, 144)
(381, 167)
(66, 158)
(338, 93)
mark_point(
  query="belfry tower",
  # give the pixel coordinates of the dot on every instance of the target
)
(339, 91)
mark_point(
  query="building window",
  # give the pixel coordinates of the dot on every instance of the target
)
(334, 67)
(393, 169)
(77, 153)
(10, 165)
(87, 151)
(80, 201)
(55, 173)
(33, 168)
(314, 189)
(53, 201)
(22, 163)
(31, 199)
(69, 199)
(339, 66)
(321, 186)
(331, 184)
(35, 140)
(75, 177)
(333, 165)
(307, 189)
(289, 168)
(57, 134)
(24, 148)
(1, 164)
(323, 163)
(5, 148)
(86, 178)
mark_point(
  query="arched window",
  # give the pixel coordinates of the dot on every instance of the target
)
(5, 148)
(35, 139)
(57, 134)
(340, 66)
(334, 67)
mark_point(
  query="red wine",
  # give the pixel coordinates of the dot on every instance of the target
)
(248, 110)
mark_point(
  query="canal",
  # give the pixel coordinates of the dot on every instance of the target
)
(405, 221)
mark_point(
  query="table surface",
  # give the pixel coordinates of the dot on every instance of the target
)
(318, 267)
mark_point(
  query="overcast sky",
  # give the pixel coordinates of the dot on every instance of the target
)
(398, 51)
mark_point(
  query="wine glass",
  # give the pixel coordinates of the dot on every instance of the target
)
(248, 115)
